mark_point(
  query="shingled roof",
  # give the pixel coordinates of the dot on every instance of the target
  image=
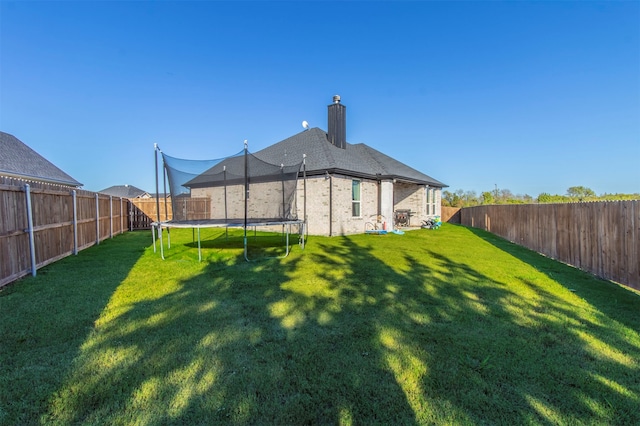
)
(125, 191)
(357, 160)
(17, 160)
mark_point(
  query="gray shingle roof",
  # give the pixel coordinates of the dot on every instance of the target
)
(125, 191)
(358, 160)
(18, 160)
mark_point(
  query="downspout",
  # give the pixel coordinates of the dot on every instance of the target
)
(226, 219)
(330, 205)
(379, 195)
(224, 171)
(246, 198)
(304, 213)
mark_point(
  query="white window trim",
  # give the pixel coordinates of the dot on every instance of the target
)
(358, 202)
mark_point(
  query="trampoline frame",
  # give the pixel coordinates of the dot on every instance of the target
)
(198, 224)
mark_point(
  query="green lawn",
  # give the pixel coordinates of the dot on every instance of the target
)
(453, 326)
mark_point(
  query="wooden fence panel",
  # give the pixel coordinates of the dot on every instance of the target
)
(193, 208)
(600, 237)
(52, 210)
(52, 215)
(103, 218)
(450, 214)
(14, 242)
(149, 207)
(87, 231)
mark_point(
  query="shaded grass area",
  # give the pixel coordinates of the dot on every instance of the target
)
(453, 326)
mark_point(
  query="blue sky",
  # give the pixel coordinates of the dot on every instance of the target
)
(527, 96)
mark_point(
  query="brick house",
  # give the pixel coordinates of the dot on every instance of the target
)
(349, 185)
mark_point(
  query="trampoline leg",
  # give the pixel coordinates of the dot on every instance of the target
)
(287, 243)
(245, 250)
(161, 245)
(168, 238)
(199, 251)
(153, 236)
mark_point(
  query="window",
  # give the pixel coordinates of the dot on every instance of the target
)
(355, 198)
(431, 200)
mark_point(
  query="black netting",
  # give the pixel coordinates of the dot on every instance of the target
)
(217, 189)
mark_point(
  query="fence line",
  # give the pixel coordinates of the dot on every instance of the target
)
(62, 222)
(194, 208)
(450, 214)
(599, 237)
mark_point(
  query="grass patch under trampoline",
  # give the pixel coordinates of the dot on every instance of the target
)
(453, 326)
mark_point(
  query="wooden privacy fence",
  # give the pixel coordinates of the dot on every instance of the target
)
(450, 214)
(599, 237)
(193, 208)
(40, 224)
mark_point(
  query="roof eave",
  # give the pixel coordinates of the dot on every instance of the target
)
(23, 176)
(397, 178)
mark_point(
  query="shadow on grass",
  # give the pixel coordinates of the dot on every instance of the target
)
(45, 320)
(613, 300)
(257, 243)
(347, 332)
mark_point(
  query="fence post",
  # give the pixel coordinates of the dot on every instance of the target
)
(32, 246)
(110, 216)
(97, 220)
(75, 222)
(121, 218)
(130, 204)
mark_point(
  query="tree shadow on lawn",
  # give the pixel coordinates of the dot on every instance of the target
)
(45, 320)
(358, 341)
(589, 335)
(272, 243)
(615, 301)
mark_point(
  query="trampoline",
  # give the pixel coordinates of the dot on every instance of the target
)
(239, 191)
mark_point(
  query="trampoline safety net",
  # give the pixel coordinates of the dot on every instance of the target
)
(237, 188)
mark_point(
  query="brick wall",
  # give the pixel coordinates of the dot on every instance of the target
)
(327, 217)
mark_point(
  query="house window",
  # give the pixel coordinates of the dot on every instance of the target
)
(431, 200)
(355, 198)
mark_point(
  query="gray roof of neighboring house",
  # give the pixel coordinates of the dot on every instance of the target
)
(20, 161)
(358, 160)
(125, 191)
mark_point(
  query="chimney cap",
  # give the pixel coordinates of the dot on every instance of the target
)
(336, 99)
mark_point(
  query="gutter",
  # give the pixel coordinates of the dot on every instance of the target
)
(360, 175)
(34, 178)
(330, 205)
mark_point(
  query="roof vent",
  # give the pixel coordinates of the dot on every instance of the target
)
(336, 99)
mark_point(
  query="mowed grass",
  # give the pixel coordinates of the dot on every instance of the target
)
(453, 326)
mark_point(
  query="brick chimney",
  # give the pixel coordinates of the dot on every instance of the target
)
(337, 123)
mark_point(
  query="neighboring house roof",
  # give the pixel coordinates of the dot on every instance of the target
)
(19, 161)
(358, 160)
(125, 191)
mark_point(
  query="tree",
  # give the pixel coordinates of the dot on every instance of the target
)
(447, 198)
(488, 198)
(580, 192)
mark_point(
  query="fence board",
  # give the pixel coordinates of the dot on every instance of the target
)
(600, 237)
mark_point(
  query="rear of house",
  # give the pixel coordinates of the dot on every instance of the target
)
(348, 186)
